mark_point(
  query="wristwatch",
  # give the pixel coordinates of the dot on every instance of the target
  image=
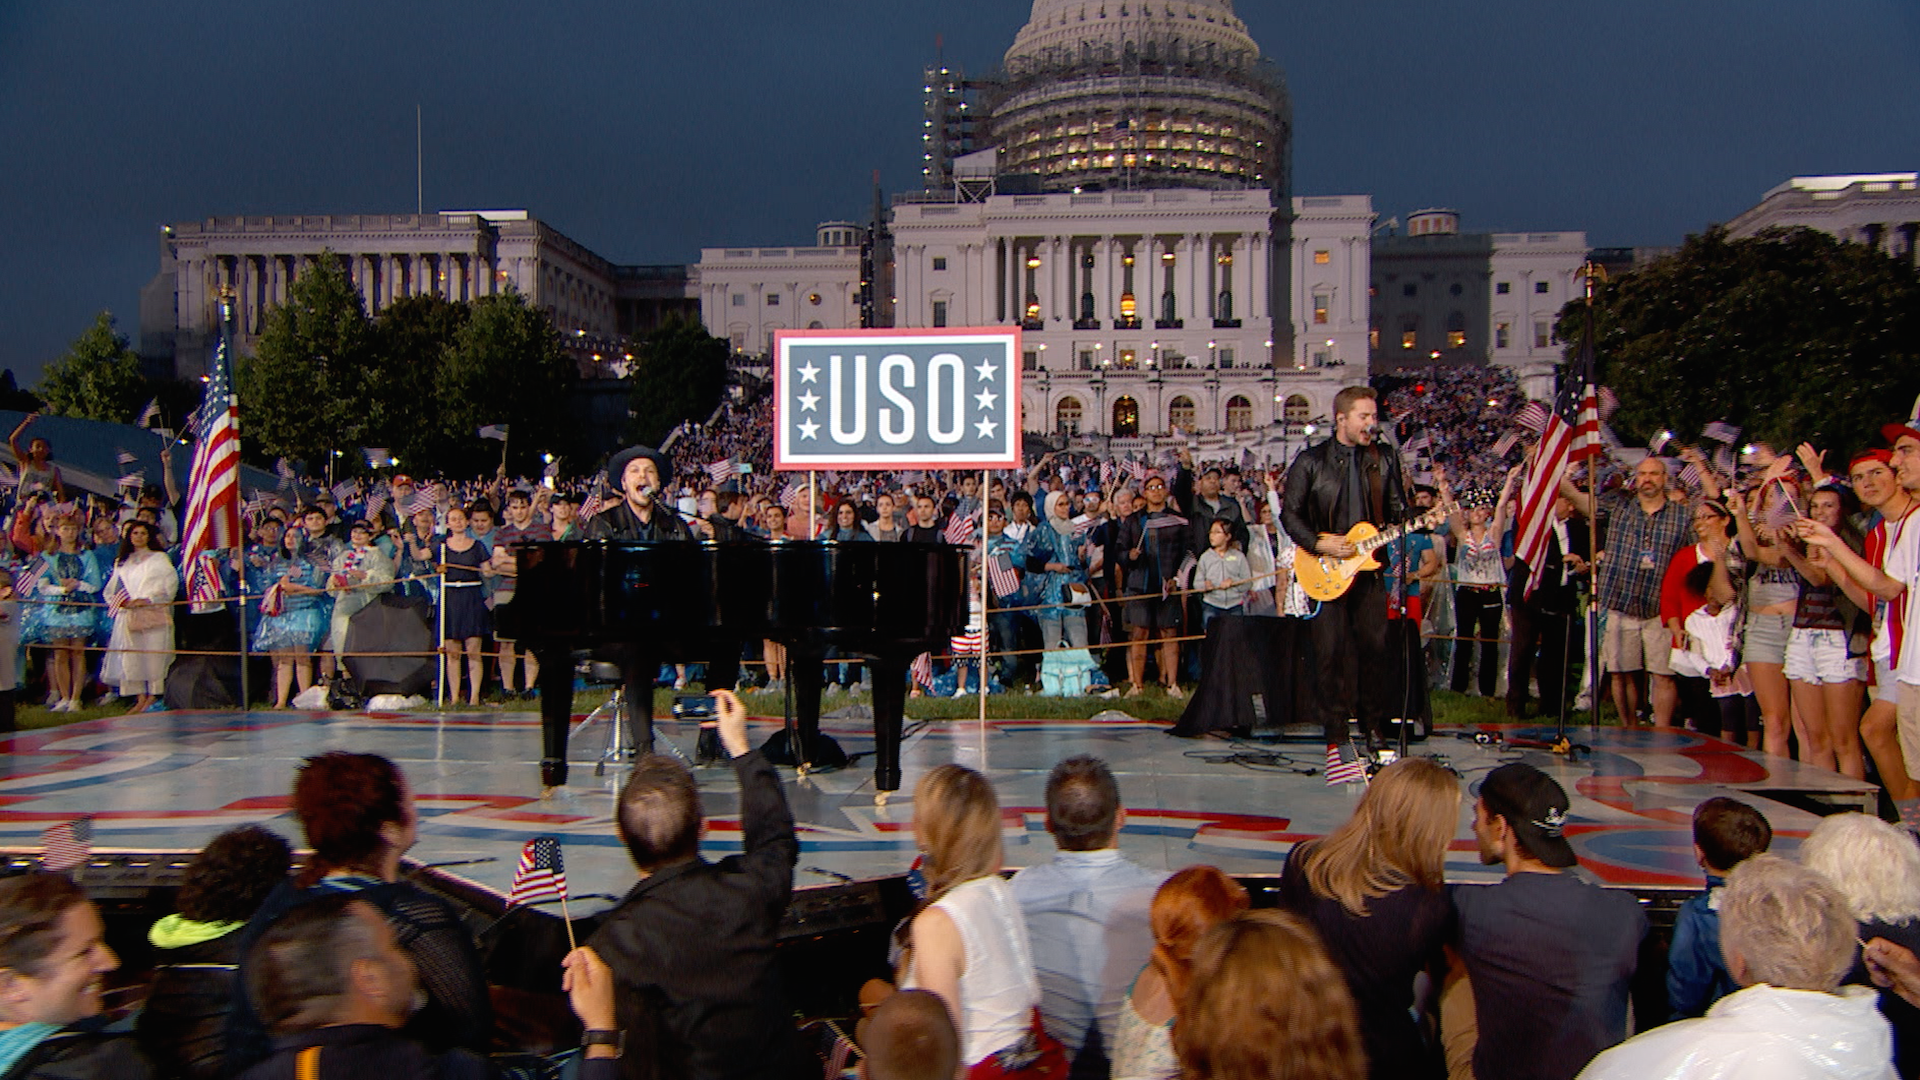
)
(607, 1037)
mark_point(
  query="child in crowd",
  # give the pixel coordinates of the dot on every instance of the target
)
(1726, 832)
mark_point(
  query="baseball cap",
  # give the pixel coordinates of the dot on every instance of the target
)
(1882, 456)
(403, 478)
(1893, 433)
(1535, 808)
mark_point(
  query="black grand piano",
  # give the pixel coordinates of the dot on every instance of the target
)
(885, 602)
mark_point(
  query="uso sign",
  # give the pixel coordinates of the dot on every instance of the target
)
(893, 399)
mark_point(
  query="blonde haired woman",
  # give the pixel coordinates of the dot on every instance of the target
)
(1267, 1004)
(969, 943)
(1374, 891)
(1876, 866)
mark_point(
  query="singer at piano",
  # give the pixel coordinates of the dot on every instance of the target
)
(635, 473)
(1331, 487)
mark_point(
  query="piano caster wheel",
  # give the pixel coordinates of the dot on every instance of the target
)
(800, 771)
(880, 798)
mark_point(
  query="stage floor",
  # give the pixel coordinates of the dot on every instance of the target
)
(170, 781)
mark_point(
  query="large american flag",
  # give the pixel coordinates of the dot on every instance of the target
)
(1587, 443)
(541, 874)
(1534, 522)
(213, 488)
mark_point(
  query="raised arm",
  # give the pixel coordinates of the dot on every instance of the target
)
(1848, 561)
(13, 440)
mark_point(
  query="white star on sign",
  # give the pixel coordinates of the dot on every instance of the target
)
(809, 429)
(985, 427)
(807, 373)
(808, 400)
(985, 370)
(986, 398)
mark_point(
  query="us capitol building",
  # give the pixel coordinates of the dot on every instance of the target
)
(1119, 187)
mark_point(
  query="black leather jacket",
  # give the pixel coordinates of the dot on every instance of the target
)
(619, 522)
(1326, 490)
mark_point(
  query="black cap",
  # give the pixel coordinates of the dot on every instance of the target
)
(617, 468)
(1535, 808)
(564, 496)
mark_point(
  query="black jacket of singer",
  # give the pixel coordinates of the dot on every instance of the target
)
(1326, 492)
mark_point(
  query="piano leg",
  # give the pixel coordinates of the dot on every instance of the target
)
(640, 665)
(800, 743)
(889, 707)
(556, 714)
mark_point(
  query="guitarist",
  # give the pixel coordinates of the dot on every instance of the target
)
(1330, 488)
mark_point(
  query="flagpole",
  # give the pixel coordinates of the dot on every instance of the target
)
(981, 675)
(1592, 627)
(239, 547)
(813, 500)
(567, 918)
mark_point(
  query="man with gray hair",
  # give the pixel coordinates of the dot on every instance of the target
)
(1788, 936)
(1086, 909)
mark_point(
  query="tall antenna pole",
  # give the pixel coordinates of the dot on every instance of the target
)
(419, 166)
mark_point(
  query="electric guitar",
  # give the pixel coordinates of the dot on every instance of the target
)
(1325, 577)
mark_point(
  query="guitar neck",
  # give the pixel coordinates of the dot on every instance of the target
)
(1388, 536)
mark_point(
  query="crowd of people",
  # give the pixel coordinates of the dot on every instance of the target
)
(1369, 964)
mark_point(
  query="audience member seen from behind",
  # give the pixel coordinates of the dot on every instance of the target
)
(1265, 1003)
(692, 944)
(358, 814)
(1548, 955)
(1191, 902)
(197, 951)
(1876, 866)
(1726, 832)
(910, 1036)
(336, 989)
(1086, 908)
(1374, 890)
(969, 943)
(53, 955)
(1788, 937)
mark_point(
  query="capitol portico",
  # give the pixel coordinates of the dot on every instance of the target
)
(1146, 311)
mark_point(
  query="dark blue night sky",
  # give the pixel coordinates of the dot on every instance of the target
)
(647, 129)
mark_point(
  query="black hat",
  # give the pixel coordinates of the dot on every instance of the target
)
(1535, 808)
(617, 468)
(565, 496)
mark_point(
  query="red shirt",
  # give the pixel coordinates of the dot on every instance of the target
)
(1676, 600)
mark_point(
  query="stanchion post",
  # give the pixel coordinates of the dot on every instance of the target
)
(240, 570)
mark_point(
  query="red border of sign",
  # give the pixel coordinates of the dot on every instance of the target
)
(779, 395)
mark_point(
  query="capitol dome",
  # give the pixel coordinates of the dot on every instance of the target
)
(1141, 93)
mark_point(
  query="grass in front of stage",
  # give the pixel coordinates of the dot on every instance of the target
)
(1449, 709)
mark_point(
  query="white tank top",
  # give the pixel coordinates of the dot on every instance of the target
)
(998, 988)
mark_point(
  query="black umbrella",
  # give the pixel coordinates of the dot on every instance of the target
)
(392, 624)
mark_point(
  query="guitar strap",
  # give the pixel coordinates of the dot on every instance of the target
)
(1375, 479)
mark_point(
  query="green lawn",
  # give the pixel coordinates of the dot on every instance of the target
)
(1449, 709)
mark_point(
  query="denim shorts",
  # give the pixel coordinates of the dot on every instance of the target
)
(1765, 641)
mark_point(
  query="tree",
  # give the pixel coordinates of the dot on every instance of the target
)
(410, 339)
(505, 366)
(97, 379)
(304, 394)
(679, 374)
(1792, 334)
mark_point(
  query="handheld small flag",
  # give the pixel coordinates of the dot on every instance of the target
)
(541, 875)
(1342, 771)
(151, 413)
(1721, 432)
(1531, 417)
(1000, 573)
(959, 529)
(67, 845)
(494, 431)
